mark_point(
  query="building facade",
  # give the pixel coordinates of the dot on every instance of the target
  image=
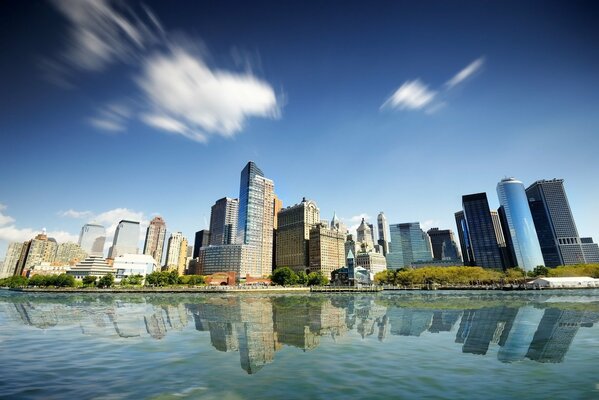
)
(202, 239)
(126, 239)
(590, 250)
(372, 261)
(443, 245)
(482, 232)
(554, 223)
(134, 264)
(92, 266)
(155, 236)
(523, 241)
(364, 235)
(223, 221)
(37, 250)
(92, 239)
(326, 249)
(13, 253)
(383, 228)
(176, 253)
(409, 244)
(69, 253)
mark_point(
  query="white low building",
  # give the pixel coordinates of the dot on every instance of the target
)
(565, 282)
(134, 264)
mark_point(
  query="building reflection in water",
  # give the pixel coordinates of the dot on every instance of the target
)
(258, 326)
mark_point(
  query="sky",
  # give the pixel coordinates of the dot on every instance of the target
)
(127, 110)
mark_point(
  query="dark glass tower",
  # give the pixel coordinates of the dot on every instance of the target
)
(464, 237)
(481, 231)
(202, 239)
(248, 228)
(554, 223)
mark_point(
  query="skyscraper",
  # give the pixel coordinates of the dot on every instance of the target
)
(409, 244)
(155, 236)
(293, 234)
(125, 240)
(256, 217)
(520, 225)
(223, 221)
(383, 227)
(365, 235)
(11, 259)
(327, 249)
(554, 223)
(463, 234)
(481, 231)
(40, 249)
(92, 239)
(202, 238)
(443, 244)
(176, 253)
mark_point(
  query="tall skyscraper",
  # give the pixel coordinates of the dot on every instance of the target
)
(202, 238)
(364, 235)
(223, 221)
(409, 244)
(383, 227)
(481, 231)
(92, 239)
(11, 259)
(554, 223)
(443, 244)
(155, 235)
(464, 236)
(520, 226)
(176, 253)
(40, 249)
(256, 217)
(293, 234)
(126, 239)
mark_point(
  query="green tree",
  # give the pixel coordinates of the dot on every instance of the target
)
(37, 280)
(302, 278)
(317, 279)
(65, 280)
(284, 276)
(89, 280)
(106, 281)
(14, 281)
(173, 277)
(539, 270)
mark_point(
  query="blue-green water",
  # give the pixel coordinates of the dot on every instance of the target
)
(391, 345)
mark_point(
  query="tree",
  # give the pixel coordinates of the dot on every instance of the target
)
(37, 280)
(540, 270)
(173, 277)
(89, 280)
(65, 280)
(132, 280)
(106, 281)
(284, 276)
(317, 279)
(302, 278)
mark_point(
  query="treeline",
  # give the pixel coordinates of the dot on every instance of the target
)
(285, 276)
(62, 280)
(591, 270)
(448, 276)
(166, 278)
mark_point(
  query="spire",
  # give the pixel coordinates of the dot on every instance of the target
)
(335, 221)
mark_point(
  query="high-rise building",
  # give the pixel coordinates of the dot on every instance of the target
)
(590, 250)
(11, 259)
(523, 240)
(35, 251)
(256, 217)
(443, 245)
(92, 239)
(481, 231)
(409, 244)
(202, 239)
(293, 234)
(554, 223)
(383, 227)
(278, 206)
(463, 235)
(327, 249)
(69, 253)
(223, 221)
(126, 239)
(364, 235)
(155, 235)
(176, 253)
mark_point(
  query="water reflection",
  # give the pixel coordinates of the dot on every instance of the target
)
(523, 327)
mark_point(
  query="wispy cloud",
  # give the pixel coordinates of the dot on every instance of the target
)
(178, 92)
(415, 95)
(412, 95)
(465, 73)
(10, 233)
(4, 219)
(75, 214)
(354, 222)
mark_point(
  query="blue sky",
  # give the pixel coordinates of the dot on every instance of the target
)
(128, 110)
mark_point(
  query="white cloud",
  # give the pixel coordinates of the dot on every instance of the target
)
(354, 222)
(465, 73)
(412, 95)
(13, 234)
(75, 214)
(187, 97)
(111, 218)
(5, 219)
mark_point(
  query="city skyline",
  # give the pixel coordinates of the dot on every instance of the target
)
(388, 91)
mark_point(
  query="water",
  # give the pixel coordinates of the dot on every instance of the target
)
(475, 345)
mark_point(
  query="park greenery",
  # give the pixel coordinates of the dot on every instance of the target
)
(285, 276)
(171, 278)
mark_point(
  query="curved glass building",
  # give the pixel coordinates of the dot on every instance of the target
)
(520, 225)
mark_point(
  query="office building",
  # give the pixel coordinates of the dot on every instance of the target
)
(92, 239)
(155, 235)
(554, 223)
(278, 206)
(590, 250)
(326, 249)
(293, 234)
(409, 244)
(482, 232)
(443, 245)
(383, 228)
(202, 239)
(465, 246)
(134, 264)
(11, 259)
(372, 261)
(523, 241)
(69, 253)
(35, 251)
(126, 239)
(223, 221)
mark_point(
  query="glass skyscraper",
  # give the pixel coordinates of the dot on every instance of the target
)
(92, 239)
(409, 244)
(554, 223)
(126, 239)
(520, 226)
(481, 231)
(223, 221)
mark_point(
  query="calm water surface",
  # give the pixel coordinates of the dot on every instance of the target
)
(389, 345)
